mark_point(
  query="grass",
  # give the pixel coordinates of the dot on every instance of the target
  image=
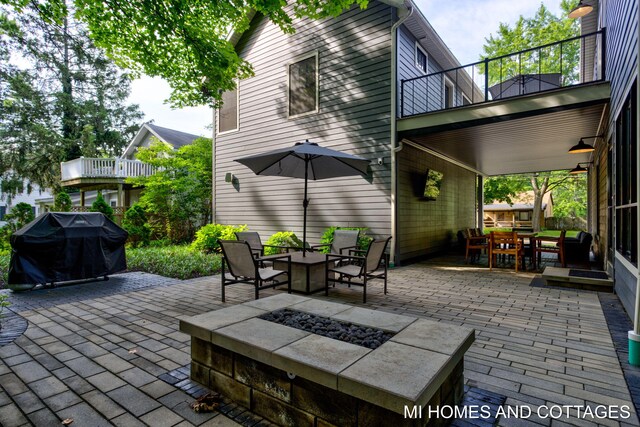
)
(178, 262)
(546, 233)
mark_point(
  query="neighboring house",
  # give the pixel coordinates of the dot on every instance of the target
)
(7, 201)
(109, 175)
(519, 214)
(380, 83)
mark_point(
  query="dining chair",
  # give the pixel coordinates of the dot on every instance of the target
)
(548, 244)
(505, 243)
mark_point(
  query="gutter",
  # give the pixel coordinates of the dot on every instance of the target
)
(393, 148)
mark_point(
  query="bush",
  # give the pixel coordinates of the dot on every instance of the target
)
(282, 238)
(5, 258)
(62, 202)
(20, 215)
(327, 237)
(207, 238)
(100, 205)
(178, 262)
(135, 222)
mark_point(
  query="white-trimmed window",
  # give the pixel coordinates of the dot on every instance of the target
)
(303, 85)
(228, 114)
(448, 93)
(421, 58)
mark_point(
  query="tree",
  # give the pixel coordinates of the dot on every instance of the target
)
(62, 202)
(100, 205)
(541, 29)
(183, 41)
(60, 97)
(505, 188)
(21, 214)
(179, 194)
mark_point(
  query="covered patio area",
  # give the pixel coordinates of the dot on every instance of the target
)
(110, 353)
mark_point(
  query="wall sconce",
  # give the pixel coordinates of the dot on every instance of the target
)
(579, 169)
(582, 147)
(580, 10)
(228, 177)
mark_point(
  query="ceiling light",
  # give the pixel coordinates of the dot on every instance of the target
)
(580, 10)
(581, 147)
(578, 169)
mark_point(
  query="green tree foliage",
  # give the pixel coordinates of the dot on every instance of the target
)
(60, 97)
(541, 29)
(62, 202)
(570, 198)
(209, 236)
(100, 205)
(183, 41)
(179, 194)
(505, 188)
(135, 223)
(20, 215)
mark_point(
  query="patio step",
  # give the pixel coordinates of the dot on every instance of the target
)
(591, 280)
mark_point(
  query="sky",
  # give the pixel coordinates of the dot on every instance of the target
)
(462, 24)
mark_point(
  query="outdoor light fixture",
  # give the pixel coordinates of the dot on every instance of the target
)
(580, 10)
(582, 147)
(579, 169)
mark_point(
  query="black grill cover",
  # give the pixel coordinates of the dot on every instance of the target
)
(57, 247)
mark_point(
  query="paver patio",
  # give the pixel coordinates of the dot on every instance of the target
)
(98, 356)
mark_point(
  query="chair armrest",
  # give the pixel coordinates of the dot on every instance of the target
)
(335, 257)
(477, 238)
(357, 251)
(320, 245)
(274, 257)
(281, 247)
(351, 250)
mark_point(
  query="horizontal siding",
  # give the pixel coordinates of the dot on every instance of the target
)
(354, 73)
(622, 56)
(430, 227)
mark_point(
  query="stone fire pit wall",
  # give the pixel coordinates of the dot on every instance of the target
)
(296, 378)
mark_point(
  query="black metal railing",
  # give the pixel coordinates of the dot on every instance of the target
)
(569, 62)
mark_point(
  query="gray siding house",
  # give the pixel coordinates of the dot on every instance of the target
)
(336, 82)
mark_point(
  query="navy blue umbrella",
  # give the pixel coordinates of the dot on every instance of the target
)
(309, 161)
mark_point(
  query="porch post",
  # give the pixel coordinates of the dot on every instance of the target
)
(480, 201)
(82, 198)
(120, 201)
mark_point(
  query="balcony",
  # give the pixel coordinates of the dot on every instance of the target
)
(577, 61)
(94, 171)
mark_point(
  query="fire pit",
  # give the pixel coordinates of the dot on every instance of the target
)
(303, 376)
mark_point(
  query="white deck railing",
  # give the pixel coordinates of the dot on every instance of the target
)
(104, 168)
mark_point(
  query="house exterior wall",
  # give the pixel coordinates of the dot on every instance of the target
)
(354, 54)
(7, 202)
(430, 227)
(620, 17)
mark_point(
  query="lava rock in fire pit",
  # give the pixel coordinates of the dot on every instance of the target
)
(348, 332)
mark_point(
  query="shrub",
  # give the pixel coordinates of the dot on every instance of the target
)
(178, 262)
(100, 205)
(20, 215)
(207, 238)
(4, 302)
(327, 237)
(5, 259)
(282, 238)
(135, 222)
(62, 202)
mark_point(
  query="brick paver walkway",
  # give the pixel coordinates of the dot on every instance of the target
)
(97, 357)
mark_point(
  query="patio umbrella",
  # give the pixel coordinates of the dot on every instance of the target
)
(305, 160)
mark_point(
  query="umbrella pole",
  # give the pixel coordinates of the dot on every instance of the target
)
(305, 204)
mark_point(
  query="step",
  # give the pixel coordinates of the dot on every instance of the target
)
(578, 279)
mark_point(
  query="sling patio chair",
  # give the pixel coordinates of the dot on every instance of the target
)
(244, 267)
(363, 268)
(343, 240)
(257, 248)
(505, 243)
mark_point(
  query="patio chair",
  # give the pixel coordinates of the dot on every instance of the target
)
(548, 244)
(257, 248)
(244, 267)
(366, 268)
(476, 242)
(505, 243)
(342, 241)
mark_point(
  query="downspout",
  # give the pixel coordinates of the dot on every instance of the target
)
(213, 170)
(394, 115)
(634, 336)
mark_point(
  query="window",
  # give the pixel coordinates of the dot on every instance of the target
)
(626, 172)
(113, 203)
(3, 212)
(524, 216)
(421, 58)
(448, 93)
(228, 113)
(303, 86)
